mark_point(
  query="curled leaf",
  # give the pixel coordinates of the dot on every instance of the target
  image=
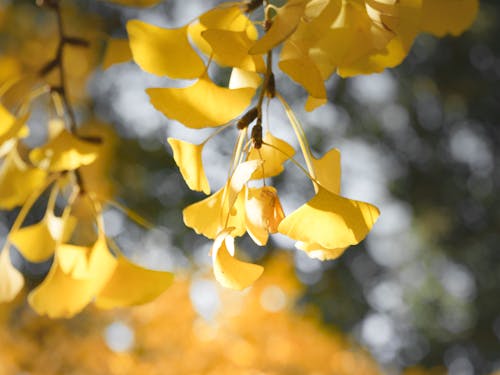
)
(263, 213)
(229, 271)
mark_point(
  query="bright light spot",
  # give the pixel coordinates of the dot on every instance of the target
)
(397, 217)
(273, 299)
(457, 281)
(377, 330)
(386, 296)
(468, 147)
(119, 337)
(374, 88)
(205, 298)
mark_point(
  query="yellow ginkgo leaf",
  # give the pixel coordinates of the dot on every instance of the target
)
(302, 69)
(136, 3)
(37, 242)
(230, 48)
(10, 69)
(212, 214)
(272, 158)
(65, 152)
(188, 158)
(131, 284)
(82, 262)
(11, 280)
(312, 103)
(240, 177)
(459, 16)
(73, 280)
(392, 55)
(284, 23)
(228, 18)
(329, 220)
(315, 251)
(241, 78)
(117, 52)
(202, 104)
(18, 180)
(229, 271)
(403, 18)
(96, 175)
(164, 51)
(327, 170)
(11, 128)
(263, 213)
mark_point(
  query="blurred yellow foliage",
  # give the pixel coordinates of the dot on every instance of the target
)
(257, 332)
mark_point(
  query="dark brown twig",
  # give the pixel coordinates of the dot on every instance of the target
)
(58, 63)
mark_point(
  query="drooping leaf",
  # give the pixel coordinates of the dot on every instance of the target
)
(327, 170)
(188, 158)
(117, 51)
(459, 16)
(18, 180)
(241, 78)
(65, 152)
(330, 221)
(37, 242)
(202, 104)
(272, 158)
(301, 68)
(315, 251)
(230, 48)
(284, 23)
(131, 285)
(212, 214)
(164, 51)
(228, 18)
(77, 275)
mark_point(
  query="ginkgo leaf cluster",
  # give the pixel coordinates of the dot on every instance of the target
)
(68, 174)
(312, 39)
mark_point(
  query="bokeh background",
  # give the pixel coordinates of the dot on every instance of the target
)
(421, 294)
